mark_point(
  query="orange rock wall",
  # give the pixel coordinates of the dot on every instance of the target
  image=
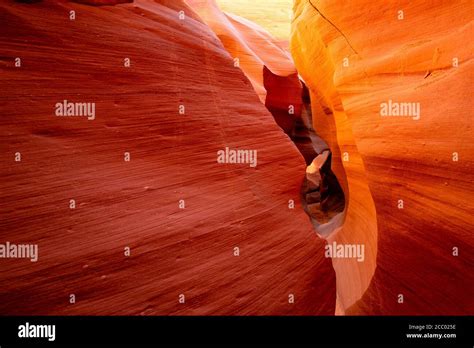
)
(403, 57)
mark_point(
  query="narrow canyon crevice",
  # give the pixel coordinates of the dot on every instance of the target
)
(188, 249)
(357, 225)
(288, 99)
(144, 62)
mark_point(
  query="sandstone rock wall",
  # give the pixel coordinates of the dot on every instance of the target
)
(355, 56)
(136, 203)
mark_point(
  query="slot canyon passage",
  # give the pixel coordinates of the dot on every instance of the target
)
(133, 215)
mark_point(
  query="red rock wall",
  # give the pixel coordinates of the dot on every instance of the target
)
(403, 57)
(118, 204)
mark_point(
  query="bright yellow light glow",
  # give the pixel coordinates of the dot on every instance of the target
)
(273, 15)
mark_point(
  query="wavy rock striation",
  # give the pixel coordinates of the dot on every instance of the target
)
(167, 93)
(408, 180)
(251, 46)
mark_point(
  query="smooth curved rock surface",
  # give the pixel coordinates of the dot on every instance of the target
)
(260, 56)
(135, 204)
(354, 56)
(273, 15)
(283, 99)
(252, 45)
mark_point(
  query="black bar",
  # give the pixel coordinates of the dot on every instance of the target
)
(242, 330)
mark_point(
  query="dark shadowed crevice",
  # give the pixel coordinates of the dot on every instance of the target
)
(288, 100)
(321, 194)
(304, 136)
